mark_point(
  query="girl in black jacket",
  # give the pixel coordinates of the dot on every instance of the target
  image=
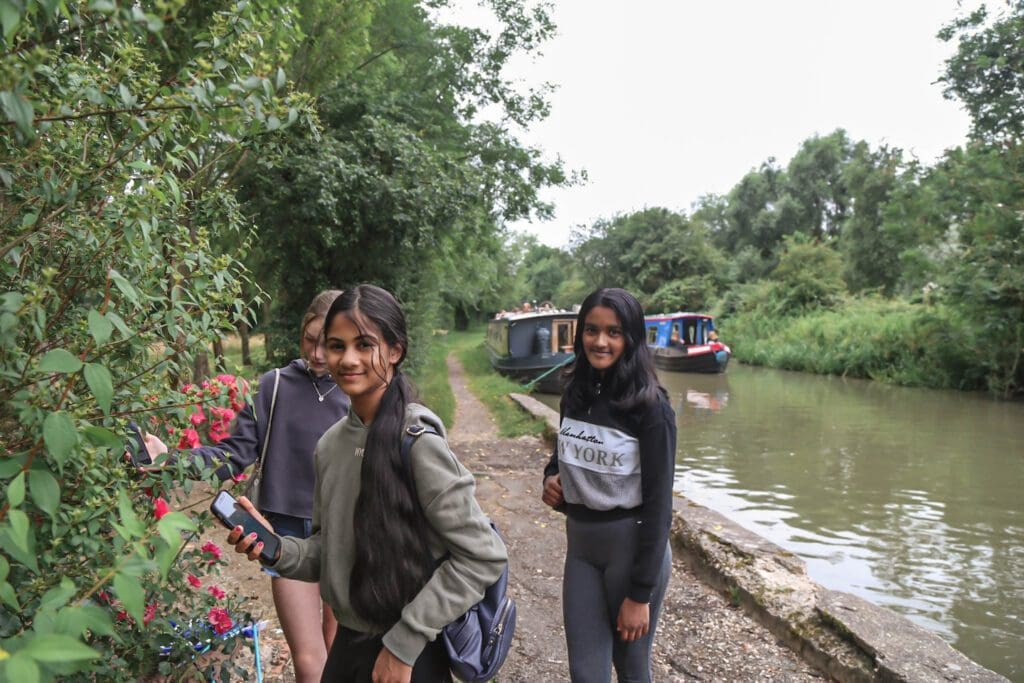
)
(612, 473)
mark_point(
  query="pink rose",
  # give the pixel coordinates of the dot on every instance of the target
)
(216, 592)
(149, 613)
(160, 508)
(194, 580)
(213, 549)
(189, 439)
(197, 418)
(220, 620)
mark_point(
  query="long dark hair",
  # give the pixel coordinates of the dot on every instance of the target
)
(390, 566)
(631, 382)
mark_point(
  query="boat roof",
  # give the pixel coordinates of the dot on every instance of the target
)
(678, 314)
(531, 314)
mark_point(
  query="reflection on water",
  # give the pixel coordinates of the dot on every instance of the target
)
(913, 499)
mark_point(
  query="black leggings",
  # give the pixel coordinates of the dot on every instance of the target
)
(598, 564)
(353, 655)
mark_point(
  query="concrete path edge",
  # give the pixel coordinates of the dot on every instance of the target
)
(851, 639)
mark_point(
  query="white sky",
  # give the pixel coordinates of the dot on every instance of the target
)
(662, 101)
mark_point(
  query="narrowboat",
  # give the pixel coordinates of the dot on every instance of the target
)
(528, 345)
(686, 342)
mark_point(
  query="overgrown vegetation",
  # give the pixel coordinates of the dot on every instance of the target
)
(847, 259)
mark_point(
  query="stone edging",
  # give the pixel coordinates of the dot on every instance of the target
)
(847, 637)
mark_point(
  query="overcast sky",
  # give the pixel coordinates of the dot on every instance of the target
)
(662, 101)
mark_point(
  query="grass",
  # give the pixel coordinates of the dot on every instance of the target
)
(490, 387)
(431, 379)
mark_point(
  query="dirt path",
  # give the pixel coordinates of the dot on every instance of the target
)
(700, 637)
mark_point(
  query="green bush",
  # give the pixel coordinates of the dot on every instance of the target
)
(114, 163)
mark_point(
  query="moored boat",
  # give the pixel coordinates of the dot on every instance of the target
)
(528, 345)
(686, 342)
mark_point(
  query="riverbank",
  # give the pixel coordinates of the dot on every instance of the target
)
(840, 634)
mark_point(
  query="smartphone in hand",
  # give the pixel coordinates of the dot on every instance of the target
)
(225, 508)
(136, 446)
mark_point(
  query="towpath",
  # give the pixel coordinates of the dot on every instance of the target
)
(701, 637)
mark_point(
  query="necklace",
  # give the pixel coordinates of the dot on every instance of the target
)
(320, 397)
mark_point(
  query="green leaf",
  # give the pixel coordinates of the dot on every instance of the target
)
(8, 597)
(100, 327)
(165, 555)
(5, 568)
(19, 528)
(102, 437)
(21, 668)
(45, 491)
(10, 18)
(126, 287)
(172, 524)
(54, 647)
(76, 620)
(59, 435)
(130, 593)
(58, 596)
(16, 490)
(59, 360)
(17, 108)
(101, 384)
(280, 78)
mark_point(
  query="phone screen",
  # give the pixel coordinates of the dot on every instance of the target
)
(136, 446)
(231, 514)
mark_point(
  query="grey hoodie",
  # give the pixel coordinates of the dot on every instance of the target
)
(459, 529)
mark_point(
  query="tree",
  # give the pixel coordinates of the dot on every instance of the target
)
(407, 187)
(986, 74)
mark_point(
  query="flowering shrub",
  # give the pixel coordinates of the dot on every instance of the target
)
(113, 182)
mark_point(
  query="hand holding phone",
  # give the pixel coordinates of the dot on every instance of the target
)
(135, 446)
(231, 514)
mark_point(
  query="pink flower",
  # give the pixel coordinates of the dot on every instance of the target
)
(103, 596)
(149, 613)
(121, 616)
(189, 439)
(241, 476)
(216, 592)
(194, 580)
(197, 418)
(213, 549)
(218, 435)
(228, 380)
(187, 388)
(160, 508)
(237, 405)
(220, 620)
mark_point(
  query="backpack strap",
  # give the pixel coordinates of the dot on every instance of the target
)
(257, 474)
(408, 438)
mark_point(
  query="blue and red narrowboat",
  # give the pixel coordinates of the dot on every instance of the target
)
(686, 342)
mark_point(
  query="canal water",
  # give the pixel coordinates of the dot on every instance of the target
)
(910, 498)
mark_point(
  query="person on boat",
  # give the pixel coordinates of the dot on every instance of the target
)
(372, 512)
(712, 337)
(674, 340)
(612, 472)
(308, 402)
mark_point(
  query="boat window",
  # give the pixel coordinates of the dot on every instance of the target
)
(691, 332)
(652, 334)
(563, 337)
